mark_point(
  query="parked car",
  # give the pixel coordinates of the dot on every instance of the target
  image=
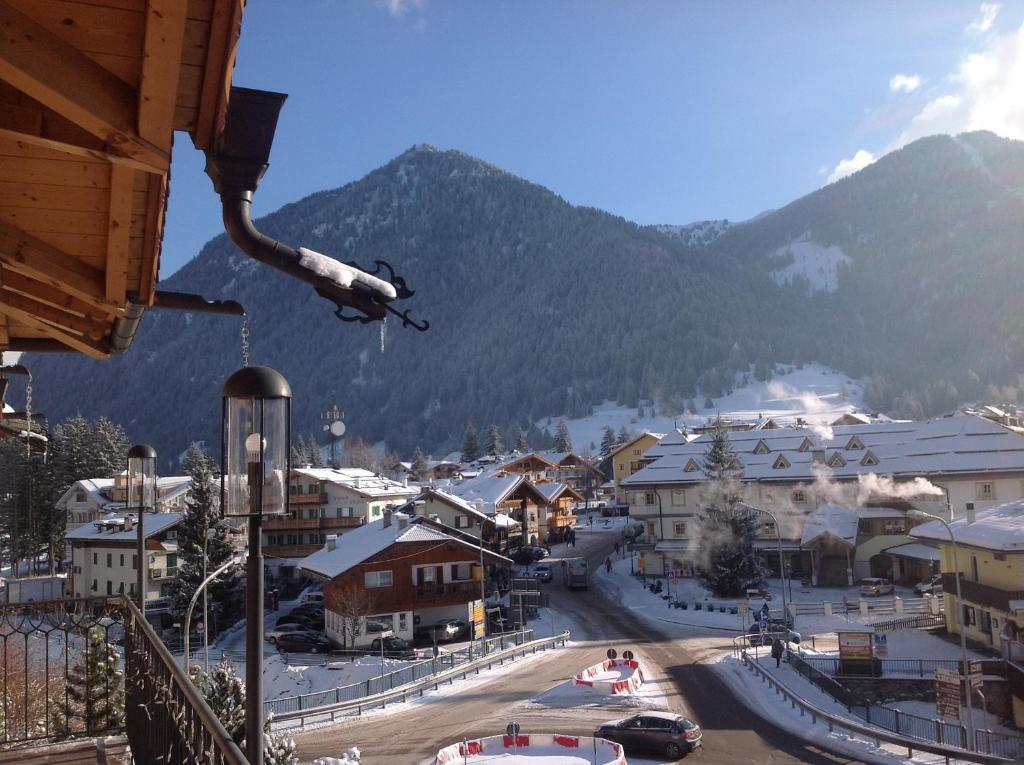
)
(308, 608)
(303, 642)
(449, 629)
(394, 648)
(662, 733)
(930, 586)
(539, 552)
(543, 572)
(524, 556)
(313, 596)
(776, 629)
(276, 633)
(874, 586)
(308, 622)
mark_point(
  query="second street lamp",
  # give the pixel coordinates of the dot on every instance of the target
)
(141, 496)
(255, 454)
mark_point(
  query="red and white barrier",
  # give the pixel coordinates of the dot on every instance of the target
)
(612, 677)
(537, 746)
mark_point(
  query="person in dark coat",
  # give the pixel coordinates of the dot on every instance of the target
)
(777, 650)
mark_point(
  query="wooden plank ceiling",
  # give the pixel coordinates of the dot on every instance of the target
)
(90, 94)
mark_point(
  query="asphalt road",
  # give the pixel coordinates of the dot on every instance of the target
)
(732, 733)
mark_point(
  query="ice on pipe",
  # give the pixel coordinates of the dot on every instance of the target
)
(343, 275)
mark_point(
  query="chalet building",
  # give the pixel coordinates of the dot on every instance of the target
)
(976, 463)
(990, 554)
(627, 459)
(461, 518)
(104, 560)
(511, 494)
(562, 467)
(398, 573)
(560, 516)
(326, 501)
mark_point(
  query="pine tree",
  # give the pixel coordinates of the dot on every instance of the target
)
(727, 527)
(522, 445)
(201, 534)
(419, 465)
(313, 456)
(279, 749)
(470, 447)
(95, 691)
(624, 435)
(493, 443)
(300, 452)
(607, 441)
(563, 441)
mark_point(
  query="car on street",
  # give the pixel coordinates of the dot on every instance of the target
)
(875, 586)
(774, 629)
(524, 556)
(660, 733)
(276, 633)
(930, 586)
(543, 572)
(394, 648)
(308, 622)
(450, 629)
(303, 642)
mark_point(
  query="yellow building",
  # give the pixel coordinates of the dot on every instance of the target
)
(626, 460)
(990, 554)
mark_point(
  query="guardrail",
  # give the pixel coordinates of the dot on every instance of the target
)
(831, 665)
(910, 623)
(402, 693)
(878, 735)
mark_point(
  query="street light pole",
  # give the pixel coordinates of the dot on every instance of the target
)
(782, 564)
(664, 564)
(192, 604)
(913, 513)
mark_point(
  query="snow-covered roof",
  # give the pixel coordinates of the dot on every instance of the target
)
(363, 542)
(630, 442)
(452, 500)
(492, 488)
(998, 528)
(504, 521)
(915, 550)
(97, 489)
(109, 527)
(831, 520)
(554, 490)
(364, 482)
(956, 444)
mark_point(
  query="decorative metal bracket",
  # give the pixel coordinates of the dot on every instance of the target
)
(383, 270)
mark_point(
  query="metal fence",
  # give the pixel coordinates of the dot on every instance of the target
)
(921, 621)
(831, 665)
(389, 680)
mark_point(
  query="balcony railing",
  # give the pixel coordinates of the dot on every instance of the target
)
(982, 594)
(308, 499)
(445, 589)
(315, 524)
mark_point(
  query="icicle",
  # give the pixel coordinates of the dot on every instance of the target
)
(383, 328)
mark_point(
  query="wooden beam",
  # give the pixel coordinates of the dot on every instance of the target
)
(5, 335)
(119, 223)
(62, 78)
(44, 293)
(221, 47)
(161, 65)
(78, 325)
(27, 317)
(25, 254)
(156, 196)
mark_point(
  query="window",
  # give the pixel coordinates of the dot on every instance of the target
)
(171, 535)
(780, 463)
(761, 448)
(461, 522)
(836, 460)
(679, 528)
(854, 444)
(974, 567)
(999, 556)
(869, 459)
(379, 622)
(312, 488)
(461, 572)
(985, 491)
(122, 560)
(649, 498)
(968, 616)
(807, 445)
(403, 622)
(377, 579)
(110, 560)
(678, 497)
(110, 587)
(986, 622)
(94, 585)
(120, 588)
(79, 496)
(768, 529)
(637, 452)
(622, 466)
(131, 588)
(799, 496)
(172, 561)
(635, 466)
(895, 526)
(95, 560)
(692, 466)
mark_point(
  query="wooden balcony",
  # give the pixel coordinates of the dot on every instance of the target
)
(307, 499)
(445, 590)
(290, 551)
(981, 594)
(312, 524)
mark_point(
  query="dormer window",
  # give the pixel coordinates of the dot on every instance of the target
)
(761, 448)
(807, 445)
(854, 444)
(780, 462)
(869, 459)
(836, 460)
(692, 466)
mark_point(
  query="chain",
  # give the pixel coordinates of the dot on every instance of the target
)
(28, 416)
(245, 341)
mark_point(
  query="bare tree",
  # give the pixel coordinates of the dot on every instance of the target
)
(353, 605)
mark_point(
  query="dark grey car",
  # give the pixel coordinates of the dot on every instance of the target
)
(663, 733)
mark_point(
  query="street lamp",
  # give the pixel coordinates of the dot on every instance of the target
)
(782, 564)
(141, 495)
(914, 513)
(235, 559)
(255, 454)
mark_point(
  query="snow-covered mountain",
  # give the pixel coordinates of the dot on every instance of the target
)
(699, 234)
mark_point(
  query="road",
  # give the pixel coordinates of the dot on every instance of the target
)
(732, 733)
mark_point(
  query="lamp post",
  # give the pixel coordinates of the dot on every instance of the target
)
(255, 454)
(141, 495)
(913, 513)
(782, 564)
(186, 627)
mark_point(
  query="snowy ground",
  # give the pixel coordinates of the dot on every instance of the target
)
(817, 393)
(982, 720)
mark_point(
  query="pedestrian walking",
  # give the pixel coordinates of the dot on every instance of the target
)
(616, 548)
(608, 565)
(777, 650)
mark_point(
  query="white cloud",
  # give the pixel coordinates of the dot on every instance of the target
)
(399, 8)
(905, 83)
(846, 167)
(985, 19)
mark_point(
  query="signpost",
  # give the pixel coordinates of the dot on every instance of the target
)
(881, 641)
(384, 635)
(743, 608)
(856, 655)
(947, 694)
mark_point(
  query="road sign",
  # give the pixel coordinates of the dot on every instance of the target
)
(672, 576)
(881, 641)
(386, 634)
(611, 654)
(513, 729)
(763, 626)
(200, 628)
(627, 655)
(947, 694)
(977, 676)
(743, 608)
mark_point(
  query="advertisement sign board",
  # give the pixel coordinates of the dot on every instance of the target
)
(855, 646)
(881, 646)
(947, 694)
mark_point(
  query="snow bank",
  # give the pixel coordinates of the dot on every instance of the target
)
(817, 264)
(533, 749)
(613, 677)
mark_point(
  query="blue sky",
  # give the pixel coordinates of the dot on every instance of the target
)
(662, 112)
